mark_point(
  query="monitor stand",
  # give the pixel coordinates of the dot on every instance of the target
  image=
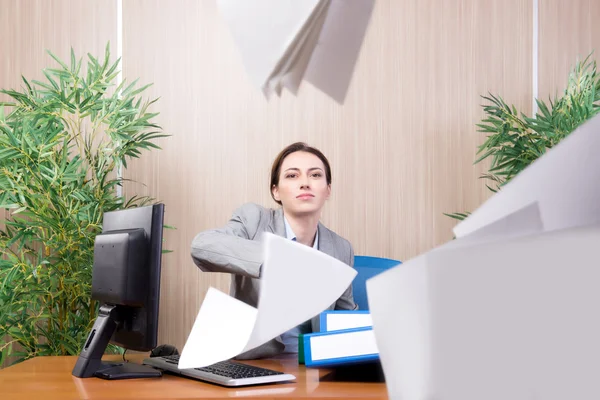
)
(90, 362)
(126, 371)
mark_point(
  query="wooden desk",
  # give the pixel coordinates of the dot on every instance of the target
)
(47, 378)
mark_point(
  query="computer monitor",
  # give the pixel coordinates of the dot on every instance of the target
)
(126, 283)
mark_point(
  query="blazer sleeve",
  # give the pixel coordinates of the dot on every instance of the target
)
(230, 249)
(346, 300)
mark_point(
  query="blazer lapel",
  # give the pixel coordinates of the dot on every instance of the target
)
(325, 241)
(327, 247)
(278, 223)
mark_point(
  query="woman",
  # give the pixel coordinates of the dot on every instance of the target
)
(300, 183)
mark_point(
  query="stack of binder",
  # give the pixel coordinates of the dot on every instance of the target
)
(344, 338)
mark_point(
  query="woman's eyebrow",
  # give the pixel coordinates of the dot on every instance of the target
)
(298, 169)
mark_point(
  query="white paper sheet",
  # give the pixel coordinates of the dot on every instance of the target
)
(514, 318)
(289, 72)
(400, 305)
(398, 302)
(283, 42)
(220, 331)
(264, 29)
(523, 222)
(297, 283)
(333, 60)
(563, 182)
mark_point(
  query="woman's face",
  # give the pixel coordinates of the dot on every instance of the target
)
(302, 187)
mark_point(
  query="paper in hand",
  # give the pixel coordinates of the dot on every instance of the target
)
(297, 283)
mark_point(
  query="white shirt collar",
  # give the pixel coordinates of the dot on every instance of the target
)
(289, 234)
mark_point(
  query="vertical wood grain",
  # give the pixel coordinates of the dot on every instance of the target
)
(569, 32)
(30, 27)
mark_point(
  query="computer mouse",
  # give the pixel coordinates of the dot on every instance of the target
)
(164, 350)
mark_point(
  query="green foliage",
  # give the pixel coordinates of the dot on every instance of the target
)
(515, 141)
(61, 145)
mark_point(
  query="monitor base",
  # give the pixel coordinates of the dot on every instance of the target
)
(126, 371)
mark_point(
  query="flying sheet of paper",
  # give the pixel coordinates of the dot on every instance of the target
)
(517, 315)
(283, 42)
(402, 302)
(293, 72)
(334, 58)
(289, 72)
(297, 283)
(562, 182)
(523, 222)
(264, 29)
(399, 302)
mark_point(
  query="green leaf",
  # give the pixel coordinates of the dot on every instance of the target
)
(62, 64)
(457, 216)
(140, 90)
(49, 78)
(73, 62)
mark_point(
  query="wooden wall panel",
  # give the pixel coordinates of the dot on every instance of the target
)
(401, 147)
(568, 32)
(30, 27)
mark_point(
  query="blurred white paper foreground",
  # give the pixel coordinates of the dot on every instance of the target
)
(297, 283)
(283, 42)
(508, 309)
(513, 319)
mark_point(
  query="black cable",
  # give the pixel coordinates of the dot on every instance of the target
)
(124, 360)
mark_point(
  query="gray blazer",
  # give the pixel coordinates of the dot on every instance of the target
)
(236, 248)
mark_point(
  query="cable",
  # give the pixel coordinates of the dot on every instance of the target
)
(124, 360)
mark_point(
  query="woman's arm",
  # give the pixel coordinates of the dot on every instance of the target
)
(231, 249)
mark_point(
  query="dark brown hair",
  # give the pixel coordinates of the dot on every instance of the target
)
(292, 148)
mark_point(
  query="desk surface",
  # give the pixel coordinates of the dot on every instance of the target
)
(47, 378)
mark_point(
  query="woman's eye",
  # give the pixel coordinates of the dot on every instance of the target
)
(290, 176)
(317, 175)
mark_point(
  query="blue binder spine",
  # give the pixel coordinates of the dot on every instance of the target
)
(324, 314)
(332, 362)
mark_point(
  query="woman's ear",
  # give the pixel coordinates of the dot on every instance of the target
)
(328, 191)
(275, 192)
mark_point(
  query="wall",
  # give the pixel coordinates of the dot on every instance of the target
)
(569, 31)
(401, 147)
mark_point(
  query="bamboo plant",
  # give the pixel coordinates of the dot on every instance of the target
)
(514, 140)
(62, 141)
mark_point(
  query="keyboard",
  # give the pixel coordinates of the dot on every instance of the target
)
(225, 373)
